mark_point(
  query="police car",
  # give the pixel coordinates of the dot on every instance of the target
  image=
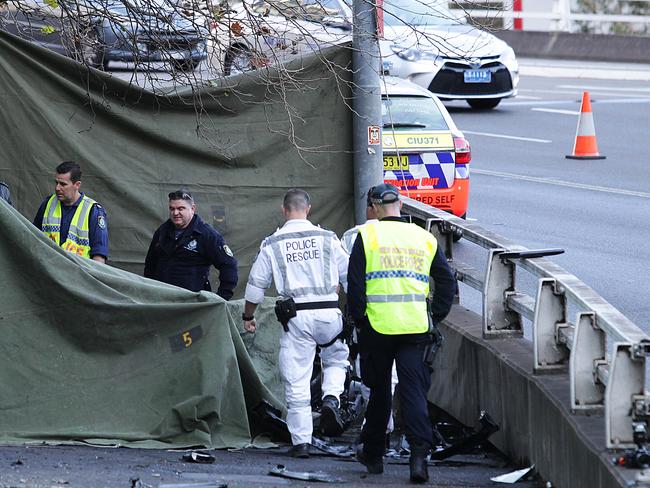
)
(425, 155)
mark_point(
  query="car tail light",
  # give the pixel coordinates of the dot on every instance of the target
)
(463, 151)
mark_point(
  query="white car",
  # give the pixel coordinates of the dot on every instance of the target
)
(258, 33)
(426, 43)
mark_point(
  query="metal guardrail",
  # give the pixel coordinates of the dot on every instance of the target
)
(560, 14)
(600, 382)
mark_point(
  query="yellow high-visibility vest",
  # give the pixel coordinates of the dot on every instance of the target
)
(78, 239)
(398, 263)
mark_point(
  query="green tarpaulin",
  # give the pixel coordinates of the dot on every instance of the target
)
(237, 148)
(93, 353)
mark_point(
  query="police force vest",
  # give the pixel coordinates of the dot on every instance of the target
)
(78, 240)
(398, 263)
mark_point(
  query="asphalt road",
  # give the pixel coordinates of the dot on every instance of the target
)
(524, 188)
(91, 467)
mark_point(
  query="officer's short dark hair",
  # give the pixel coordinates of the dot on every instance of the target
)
(70, 167)
(296, 199)
(383, 194)
(181, 194)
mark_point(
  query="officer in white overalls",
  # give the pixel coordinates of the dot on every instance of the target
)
(307, 264)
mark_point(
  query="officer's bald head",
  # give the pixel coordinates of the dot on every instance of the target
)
(296, 200)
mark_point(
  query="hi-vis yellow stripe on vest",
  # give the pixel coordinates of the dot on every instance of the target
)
(442, 140)
(78, 240)
(398, 262)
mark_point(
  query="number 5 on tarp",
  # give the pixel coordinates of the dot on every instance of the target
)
(185, 339)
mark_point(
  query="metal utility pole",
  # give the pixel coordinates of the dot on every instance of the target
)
(366, 102)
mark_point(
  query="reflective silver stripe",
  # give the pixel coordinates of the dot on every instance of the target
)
(327, 260)
(258, 284)
(396, 298)
(50, 218)
(86, 205)
(315, 290)
(296, 235)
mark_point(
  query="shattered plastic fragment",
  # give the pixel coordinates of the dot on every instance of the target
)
(203, 484)
(283, 472)
(512, 477)
(333, 449)
(198, 457)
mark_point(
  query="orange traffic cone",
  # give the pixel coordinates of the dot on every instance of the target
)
(585, 146)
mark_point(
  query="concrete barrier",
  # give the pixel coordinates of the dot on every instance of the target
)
(589, 47)
(473, 374)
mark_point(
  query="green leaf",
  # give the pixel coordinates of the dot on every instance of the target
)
(47, 29)
(52, 3)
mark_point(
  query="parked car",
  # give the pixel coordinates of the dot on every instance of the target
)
(97, 32)
(423, 42)
(427, 44)
(259, 33)
(425, 155)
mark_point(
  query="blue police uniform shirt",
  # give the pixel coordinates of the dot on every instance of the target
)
(183, 257)
(97, 225)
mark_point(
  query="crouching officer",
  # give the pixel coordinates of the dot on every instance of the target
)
(388, 286)
(307, 264)
(184, 247)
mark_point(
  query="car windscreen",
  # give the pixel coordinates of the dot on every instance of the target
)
(411, 113)
(417, 13)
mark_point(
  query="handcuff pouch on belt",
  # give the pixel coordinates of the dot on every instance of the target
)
(285, 310)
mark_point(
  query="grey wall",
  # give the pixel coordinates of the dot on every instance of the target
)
(562, 45)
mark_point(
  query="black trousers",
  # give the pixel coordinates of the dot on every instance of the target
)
(377, 353)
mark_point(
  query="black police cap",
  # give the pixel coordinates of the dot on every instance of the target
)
(383, 194)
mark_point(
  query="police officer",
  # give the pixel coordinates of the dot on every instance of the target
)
(388, 280)
(307, 264)
(184, 247)
(74, 221)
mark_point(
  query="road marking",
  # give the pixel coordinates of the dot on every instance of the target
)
(503, 136)
(610, 88)
(569, 184)
(578, 92)
(556, 111)
(527, 97)
(563, 102)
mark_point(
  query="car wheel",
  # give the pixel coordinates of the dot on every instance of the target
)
(89, 49)
(483, 103)
(239, 59)
(457, 232)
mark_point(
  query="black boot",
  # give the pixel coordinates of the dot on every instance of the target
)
(331, 424)
(373, 465)
(418, 465)
(300, 451)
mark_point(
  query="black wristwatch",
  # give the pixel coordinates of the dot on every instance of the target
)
(245, 318)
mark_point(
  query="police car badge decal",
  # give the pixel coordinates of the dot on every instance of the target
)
(227, 250)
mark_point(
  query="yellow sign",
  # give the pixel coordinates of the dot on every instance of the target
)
(395, 163)
(412, 140)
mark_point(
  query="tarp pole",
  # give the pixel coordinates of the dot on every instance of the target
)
(366, 102)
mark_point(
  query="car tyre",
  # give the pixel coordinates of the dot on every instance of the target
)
(483, 103)
(458, 232)
(239, 59)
